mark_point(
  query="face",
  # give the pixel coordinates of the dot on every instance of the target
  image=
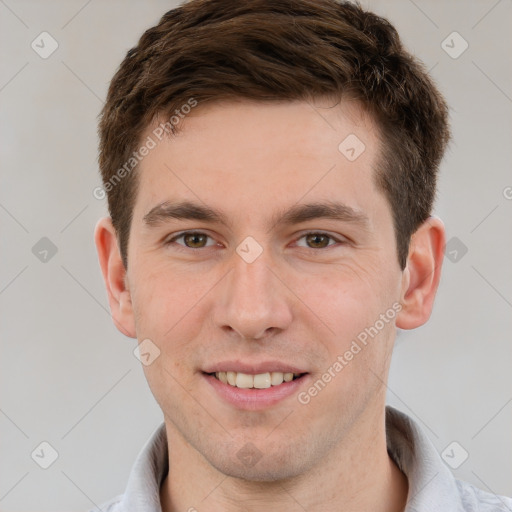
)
(260, 246)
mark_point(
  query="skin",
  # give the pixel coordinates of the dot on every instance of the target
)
(302, 301)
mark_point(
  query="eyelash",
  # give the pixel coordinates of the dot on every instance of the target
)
(172, 241)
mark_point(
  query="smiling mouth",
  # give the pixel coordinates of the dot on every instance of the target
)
(259, 381)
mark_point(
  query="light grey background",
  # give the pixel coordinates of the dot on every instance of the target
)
(70, 378)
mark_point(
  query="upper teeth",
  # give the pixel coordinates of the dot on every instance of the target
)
(260, 381)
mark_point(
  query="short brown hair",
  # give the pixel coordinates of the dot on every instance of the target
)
(213, 50)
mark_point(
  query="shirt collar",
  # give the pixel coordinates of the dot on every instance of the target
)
(149, 471)
(432, 485)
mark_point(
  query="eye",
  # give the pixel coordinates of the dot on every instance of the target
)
(200, 240)
(318, 240)
(191, 240)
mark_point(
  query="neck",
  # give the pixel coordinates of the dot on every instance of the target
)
(358, 475)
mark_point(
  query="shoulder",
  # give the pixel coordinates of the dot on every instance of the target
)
(112, 505)
(477, 500)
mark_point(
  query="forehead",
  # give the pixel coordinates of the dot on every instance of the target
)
(252, 155)
(315, 124)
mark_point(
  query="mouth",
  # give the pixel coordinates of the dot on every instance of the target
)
(257, 390)
(258, 381)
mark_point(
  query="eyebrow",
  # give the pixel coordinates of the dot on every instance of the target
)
(298, 213)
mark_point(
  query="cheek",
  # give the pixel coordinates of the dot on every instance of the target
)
(347, 298)
(168, 310)
(360, 315)
(357, 305)
(166, 297)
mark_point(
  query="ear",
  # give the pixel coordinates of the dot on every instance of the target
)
(422, 274)
(114, 275)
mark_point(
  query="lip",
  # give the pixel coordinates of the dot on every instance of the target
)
(253, 368)
(255, 399)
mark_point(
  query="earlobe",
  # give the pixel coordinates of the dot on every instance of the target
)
(422, 274)
(114, 276)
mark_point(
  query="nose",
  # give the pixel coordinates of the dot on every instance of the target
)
(252, 300)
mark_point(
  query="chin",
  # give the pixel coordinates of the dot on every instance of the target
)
(250, 464)
(262, 473)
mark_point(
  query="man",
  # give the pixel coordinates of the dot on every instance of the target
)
(270, 169)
